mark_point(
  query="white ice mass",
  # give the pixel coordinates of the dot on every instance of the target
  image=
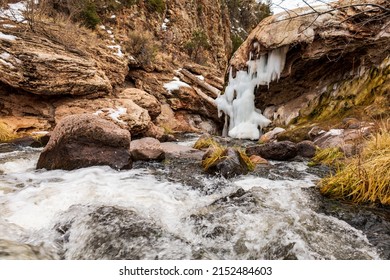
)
(238, 101)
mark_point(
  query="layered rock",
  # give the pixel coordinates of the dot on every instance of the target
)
(86, 140)
(52, 67)
(40, 63)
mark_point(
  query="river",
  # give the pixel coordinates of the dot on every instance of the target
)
(169, 210)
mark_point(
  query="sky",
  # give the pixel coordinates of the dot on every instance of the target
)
(292, 4)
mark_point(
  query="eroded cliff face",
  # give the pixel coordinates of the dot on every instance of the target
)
(50, 67)
(337, 63)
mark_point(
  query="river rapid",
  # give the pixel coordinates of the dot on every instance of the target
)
(172, 210)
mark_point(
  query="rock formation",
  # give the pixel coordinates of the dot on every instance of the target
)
(50, 67)
(337, 61)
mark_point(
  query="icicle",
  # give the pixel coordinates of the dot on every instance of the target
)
(238, 101)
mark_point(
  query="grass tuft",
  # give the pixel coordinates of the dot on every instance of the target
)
(250, 165)
(204, 143)
(366, 177)
(215, 154)
(328, 156)
(6, 134)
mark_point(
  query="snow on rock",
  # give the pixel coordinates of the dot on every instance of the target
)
(113, 113)
(175, 85)
(5, 56)
(164, 25)
(6, 63)
(7, 37)
(15, 11)
(118, 50)
(245, 120)
(8, 25)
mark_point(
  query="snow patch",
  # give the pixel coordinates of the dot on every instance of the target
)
(113, 113)
(9, 25)
(164, 25)
(245, 120)
(6, 63)
(15, 11)
(200, 77)
(118, 49)
(5, 56)
(175, 85)
(7, 37)
(4, 59)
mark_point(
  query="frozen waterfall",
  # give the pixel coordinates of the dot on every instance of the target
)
(238, 101)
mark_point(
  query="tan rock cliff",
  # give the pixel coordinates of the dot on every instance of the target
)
(335, 63)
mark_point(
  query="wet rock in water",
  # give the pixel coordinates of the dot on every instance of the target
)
(7, 147)
(174, 150)
(146, 149)
(258, 159)
(12, 250)
(306, 149)
(283, 150)
(229, 163)
(113, 233)
(373, 221)
(27, 141)
(271, 135)
(86, 140)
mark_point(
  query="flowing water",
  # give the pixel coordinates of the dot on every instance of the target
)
(167, 211)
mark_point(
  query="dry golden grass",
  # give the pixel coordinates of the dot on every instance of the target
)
(217, 151)
(366, 177)
(204, 143)
(215, 154)
(328, 156)
(5, 133)
(251, 166)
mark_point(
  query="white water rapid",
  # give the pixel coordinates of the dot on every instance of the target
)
(152, 212)
(238, 100)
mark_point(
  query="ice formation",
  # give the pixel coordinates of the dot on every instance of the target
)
(238, 101)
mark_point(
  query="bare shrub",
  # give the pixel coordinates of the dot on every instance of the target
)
(142, 46)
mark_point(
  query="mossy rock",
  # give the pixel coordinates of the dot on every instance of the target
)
(296, 135)
(227, 162)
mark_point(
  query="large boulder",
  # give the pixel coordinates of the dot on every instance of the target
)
(123, 112)
(86, 140)
(283, 150)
